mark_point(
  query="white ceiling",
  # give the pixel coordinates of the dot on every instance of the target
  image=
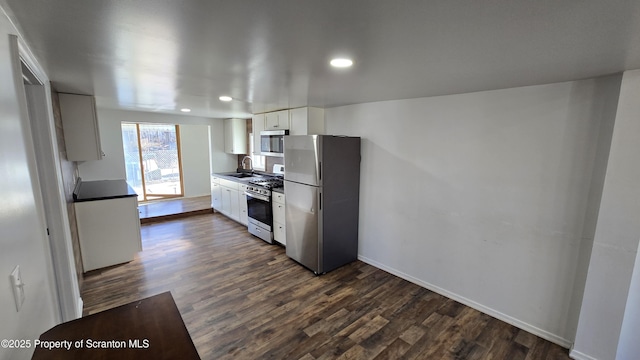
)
(155, 55)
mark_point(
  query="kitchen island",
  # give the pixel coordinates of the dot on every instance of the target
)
(108, 222)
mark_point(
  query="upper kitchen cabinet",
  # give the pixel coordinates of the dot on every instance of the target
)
(307, 121)
(257, 125)
(278, 120)
(80, 127)
(235, 136)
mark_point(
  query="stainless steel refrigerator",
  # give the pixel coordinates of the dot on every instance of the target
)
(322, 186)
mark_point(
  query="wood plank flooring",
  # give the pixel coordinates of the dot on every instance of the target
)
(242, 298)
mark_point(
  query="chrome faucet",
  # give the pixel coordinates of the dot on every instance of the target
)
(250, 162)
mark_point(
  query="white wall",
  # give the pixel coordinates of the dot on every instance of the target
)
(194, 143)
(628, 345)
(220, 161)
(490, 197)
(23, 241)
(194, 170)
(616, 240)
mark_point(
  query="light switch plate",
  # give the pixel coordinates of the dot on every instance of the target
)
(18, 287)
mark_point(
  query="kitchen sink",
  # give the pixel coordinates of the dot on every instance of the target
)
(241, 175)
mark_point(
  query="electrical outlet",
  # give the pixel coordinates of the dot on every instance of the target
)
(18, 287)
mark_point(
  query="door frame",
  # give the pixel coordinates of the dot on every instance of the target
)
(37, 113)
(145, 195)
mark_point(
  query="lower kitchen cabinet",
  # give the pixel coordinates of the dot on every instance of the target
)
(228, 198)
(230, 203)
(242, 199)
(279, 227)
(216, 194)
(109, 231)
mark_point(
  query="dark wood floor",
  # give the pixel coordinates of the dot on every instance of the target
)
(242, 298)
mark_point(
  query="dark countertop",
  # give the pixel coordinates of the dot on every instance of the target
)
(257, 175)
(229, 176)
(102, 190)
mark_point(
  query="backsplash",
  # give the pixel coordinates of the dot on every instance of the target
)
(270, 161)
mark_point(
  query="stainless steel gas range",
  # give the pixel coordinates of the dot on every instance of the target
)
(259, 208)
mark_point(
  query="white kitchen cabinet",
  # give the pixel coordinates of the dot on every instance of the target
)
(235, 205)
(216, 194)
(235, 136)
(232, 200)
(227, 200)
(278, 212)
(242, 200)
(279, 224)
(277, 120)
(306, 121)
(257, 125)
(230, 204)
(233, 185)
(280, 233)
(109, 231)
(80, 127)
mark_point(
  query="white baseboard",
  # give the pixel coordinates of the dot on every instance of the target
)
(580, 356)
(80, 307)
(472, 304)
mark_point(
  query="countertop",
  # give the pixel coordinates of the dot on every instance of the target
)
(229, 176)
(245, 180)
(102, 190)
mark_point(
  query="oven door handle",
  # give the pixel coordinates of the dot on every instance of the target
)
(256, 196)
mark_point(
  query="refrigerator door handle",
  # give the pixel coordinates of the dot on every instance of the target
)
(320, 170)
(320, 201)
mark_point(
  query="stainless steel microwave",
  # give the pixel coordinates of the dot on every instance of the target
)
(272, 142)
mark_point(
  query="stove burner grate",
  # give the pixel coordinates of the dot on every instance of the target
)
(268, 183)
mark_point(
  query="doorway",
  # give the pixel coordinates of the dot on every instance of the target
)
(36, 107)
(153, 161)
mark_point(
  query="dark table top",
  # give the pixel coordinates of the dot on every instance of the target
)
(102, 190)
(150, 328)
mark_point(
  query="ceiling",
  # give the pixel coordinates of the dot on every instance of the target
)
(151, 55)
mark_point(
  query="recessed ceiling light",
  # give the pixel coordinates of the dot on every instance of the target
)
(341, 62)
(225, 98)
(185, 110)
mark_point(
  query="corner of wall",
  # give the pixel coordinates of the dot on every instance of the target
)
(617, 234)
(69, 171)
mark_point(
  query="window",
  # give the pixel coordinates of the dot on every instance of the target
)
(257, 161)
(152, 160)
